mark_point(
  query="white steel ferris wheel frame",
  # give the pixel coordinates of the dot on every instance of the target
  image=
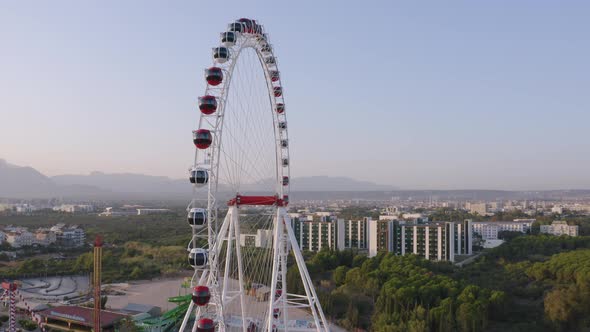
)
(284, 240)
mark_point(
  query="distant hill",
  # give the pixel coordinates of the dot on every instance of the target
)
(126, 182)
(26, 182)
(336, 183)
(139, 183)
(17, 181)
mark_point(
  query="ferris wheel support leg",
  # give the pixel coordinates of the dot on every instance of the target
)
(228, 257)
(195, 324)
(213, 281)
(316, 307)
(186, 317)
(235, 222)
(284, 255)
(278, 232)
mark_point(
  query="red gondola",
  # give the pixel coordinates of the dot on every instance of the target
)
(205, 325)
(208, 104)
(202, 138)
(280, 108)
(278, 91)
(201, 295)
(274, 75)
(214, 75)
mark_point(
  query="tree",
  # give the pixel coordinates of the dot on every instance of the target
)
(27, 324)
(509, 235)
(339, 275)
(128, 325)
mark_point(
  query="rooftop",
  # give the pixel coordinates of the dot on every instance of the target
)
(81, 315)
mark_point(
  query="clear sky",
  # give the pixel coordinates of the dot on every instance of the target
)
(417, 94)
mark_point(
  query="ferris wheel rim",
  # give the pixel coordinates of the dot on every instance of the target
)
(256, 44)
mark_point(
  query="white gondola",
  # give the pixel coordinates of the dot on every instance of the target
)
(199, 176)
(221, 54)
(197, 217)
(198, 257)
(228, 38)
(270, 60)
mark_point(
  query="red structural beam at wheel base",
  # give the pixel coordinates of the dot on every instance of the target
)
(257, 200)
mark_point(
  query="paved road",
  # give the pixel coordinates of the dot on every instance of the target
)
(469, 260)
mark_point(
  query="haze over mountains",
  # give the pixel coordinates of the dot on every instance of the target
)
(27, 182)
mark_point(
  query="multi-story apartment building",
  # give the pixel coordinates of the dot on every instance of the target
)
(316, 235)
(560, 228)
(355, 233)
(433, 241)
(489, 229)
(330, 232)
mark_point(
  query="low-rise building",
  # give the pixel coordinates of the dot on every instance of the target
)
(74, 208)
(70, 236)
(20, 238)
(560, 228)
(45, 237)
(479, 208)
(74, 318)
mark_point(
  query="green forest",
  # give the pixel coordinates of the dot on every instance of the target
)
(533, 283)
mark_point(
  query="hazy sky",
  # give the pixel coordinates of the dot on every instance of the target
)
(418, 94)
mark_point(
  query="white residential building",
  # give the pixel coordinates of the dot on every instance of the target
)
(560, 228)
(489, 229)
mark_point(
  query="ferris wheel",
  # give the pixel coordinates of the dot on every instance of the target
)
(241, 169)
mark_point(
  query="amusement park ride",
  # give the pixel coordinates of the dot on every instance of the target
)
(10, 294)
(242, 148)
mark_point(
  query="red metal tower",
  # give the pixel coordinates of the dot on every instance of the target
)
(96, 277)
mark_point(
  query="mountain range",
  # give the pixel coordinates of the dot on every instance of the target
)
(27, 182)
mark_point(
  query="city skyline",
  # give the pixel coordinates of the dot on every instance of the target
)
(483, 96)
